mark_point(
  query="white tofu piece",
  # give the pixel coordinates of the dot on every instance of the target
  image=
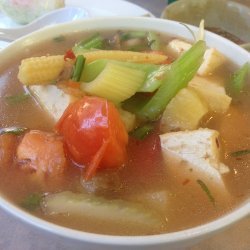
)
(177, 47)
(212, 57)
(52, 99)
(212, 93)
(195, 155)
(212, 60)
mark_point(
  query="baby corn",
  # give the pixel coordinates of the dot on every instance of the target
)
(40, 70)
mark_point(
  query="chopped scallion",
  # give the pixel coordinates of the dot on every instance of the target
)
(240, 153)
(15, 99)
(78, 68)
(13, 130)
(206, 190)
(32, 202)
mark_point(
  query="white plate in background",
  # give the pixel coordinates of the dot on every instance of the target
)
(94, 8)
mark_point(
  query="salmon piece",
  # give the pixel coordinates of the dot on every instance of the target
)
(42, 153)
(8, 143)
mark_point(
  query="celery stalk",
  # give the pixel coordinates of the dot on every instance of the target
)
(176, 76)
(153, 72)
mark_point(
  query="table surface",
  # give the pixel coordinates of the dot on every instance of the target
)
(16, 235)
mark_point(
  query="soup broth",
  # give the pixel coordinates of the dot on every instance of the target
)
(144, 178)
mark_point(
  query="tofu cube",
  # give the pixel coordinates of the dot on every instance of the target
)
(195, 155)
(52, 99)
(212, 57)
(212, 60)
(176, 47)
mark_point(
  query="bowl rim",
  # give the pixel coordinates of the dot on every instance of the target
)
(159, 239)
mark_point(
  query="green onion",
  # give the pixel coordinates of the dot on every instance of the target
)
(32, 202)
(94, 42)
(78, 68)
(132, 35)
(13, 130)
(141, 132)
(176, 76)
(18, 98)
(153, 40)
(240, 153)
(239, 80)
(206, 190)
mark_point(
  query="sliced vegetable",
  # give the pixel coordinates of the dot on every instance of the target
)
(79, 65)
(176, 77)
(93, 69)
(240, 153)
(239, 80)
(153, 72)
(32, 202)
(94, 134)
(115, 83)
(18, 98)
(206, 190)
(141, 132)
(100, 209)
(94, 42)
(122, 55)
(13, 130)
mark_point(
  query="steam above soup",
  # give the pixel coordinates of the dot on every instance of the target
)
(126, 132)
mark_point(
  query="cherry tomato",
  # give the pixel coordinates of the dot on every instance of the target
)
(94, 134)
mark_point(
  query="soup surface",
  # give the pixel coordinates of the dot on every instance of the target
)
(141, 193)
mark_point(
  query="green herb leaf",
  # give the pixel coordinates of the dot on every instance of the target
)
(132, 34)
(240, 153)
(59, 39)
(206, 190)
(18, 98)
(32, 202)
(141, 132)
(13, 130)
